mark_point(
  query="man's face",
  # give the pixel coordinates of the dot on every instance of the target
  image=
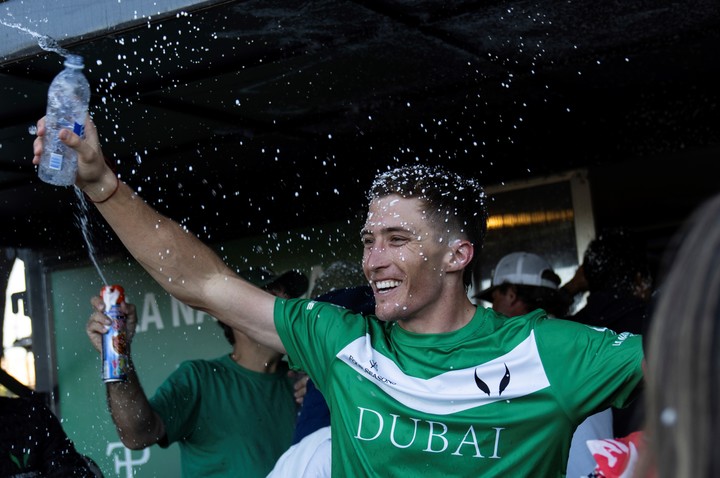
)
(403, 259)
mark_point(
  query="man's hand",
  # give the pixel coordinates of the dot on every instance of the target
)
(578, 283)
(94, 176)
(99, 323)
(300, 385)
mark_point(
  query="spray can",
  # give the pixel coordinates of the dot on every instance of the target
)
(114, 344)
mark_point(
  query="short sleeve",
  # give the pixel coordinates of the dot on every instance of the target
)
(591, 368)
(314, 332)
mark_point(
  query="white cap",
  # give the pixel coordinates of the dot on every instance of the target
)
(519, 268)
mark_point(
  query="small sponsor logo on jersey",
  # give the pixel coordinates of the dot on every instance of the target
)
(621, 338)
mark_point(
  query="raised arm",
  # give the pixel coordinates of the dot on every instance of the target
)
(184, 266)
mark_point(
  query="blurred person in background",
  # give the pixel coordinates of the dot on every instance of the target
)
(683, 358)
(616, 274)
(522, 282)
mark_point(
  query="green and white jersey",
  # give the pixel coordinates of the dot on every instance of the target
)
(496, 398)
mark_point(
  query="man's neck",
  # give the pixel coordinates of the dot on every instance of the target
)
(254, 356)
(445, 317)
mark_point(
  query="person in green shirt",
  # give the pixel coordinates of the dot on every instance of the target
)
(429, 385)
(231, 416)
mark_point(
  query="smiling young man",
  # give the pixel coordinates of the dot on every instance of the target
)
(430, 384)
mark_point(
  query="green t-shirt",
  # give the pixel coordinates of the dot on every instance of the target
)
(496, 398)
(228, 421)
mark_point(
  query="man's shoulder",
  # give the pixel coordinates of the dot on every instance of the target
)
(570, 326)
(192, 374)
(556, 332)
(320, 311)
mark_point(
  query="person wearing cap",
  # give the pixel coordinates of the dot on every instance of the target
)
(521, 283)
(231, 416)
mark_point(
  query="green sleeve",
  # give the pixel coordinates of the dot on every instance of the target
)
(314, 332)
(591, 368)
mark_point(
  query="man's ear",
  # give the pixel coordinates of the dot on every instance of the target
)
(511, 294)
(461, 253)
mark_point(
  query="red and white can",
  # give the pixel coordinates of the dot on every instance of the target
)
(114, 345)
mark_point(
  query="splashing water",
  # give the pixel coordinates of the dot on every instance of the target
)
(82, 220)
(48, 43)
(45, 42)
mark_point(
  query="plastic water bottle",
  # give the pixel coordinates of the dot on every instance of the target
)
(67, 107)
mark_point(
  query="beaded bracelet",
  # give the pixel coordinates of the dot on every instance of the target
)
(117, 186)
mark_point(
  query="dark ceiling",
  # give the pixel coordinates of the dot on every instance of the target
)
(251, 116)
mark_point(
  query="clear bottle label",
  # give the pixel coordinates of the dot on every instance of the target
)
(56, 161)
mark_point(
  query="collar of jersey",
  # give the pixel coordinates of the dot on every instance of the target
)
(412, 339)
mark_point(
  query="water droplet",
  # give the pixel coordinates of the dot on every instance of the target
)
(668, 416)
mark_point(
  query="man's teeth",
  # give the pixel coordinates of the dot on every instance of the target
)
(387, 284)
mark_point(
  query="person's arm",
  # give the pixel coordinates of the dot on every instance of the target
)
(137, 424)
(577, 284)
(566, 295)
(184, 266)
